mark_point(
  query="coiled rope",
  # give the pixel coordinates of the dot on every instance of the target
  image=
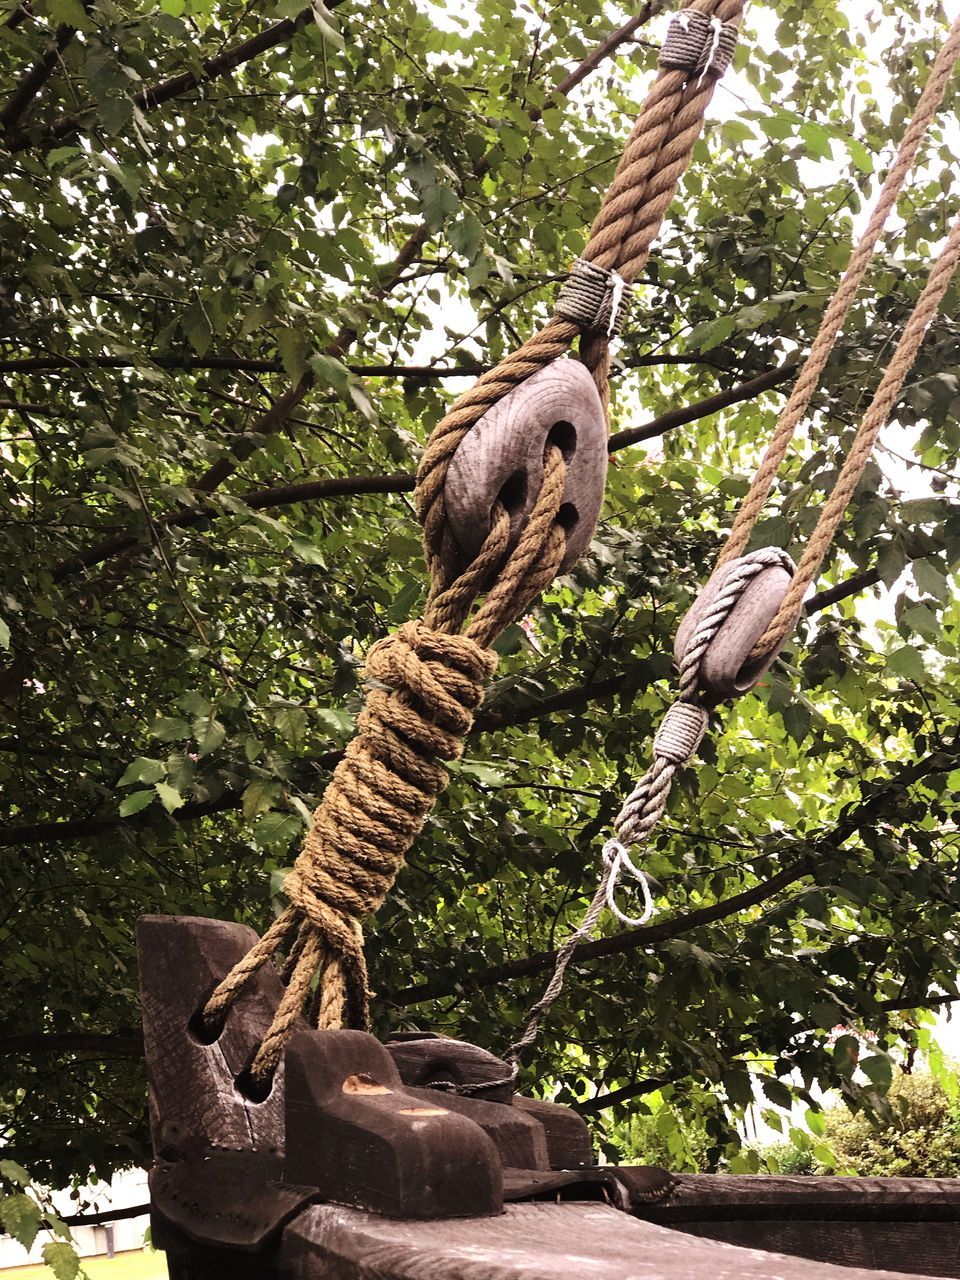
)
(426, 681)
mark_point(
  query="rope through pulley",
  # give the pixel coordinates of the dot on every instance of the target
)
(425, 682)
(750, 606)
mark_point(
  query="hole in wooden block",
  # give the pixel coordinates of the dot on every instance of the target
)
(439, 1073)
(206, 1030)
(423, 1111)
(513, 494)
(564, 436)
(568, 517)
(253, 1089)
(364, 1084)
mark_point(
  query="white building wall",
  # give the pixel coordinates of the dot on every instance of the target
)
(127, 1190)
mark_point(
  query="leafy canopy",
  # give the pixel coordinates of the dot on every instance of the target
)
(245, 248)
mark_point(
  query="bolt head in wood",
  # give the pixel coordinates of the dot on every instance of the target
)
(502, 457)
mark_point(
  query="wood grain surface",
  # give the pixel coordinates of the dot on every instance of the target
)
(502, 456)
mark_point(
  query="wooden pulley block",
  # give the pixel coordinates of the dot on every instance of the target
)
(725, 669)
(501, 457)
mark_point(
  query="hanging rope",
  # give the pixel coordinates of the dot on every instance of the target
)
(856, 461)
(685, 722)
(836, 313)
(426, 681)
(654, 159)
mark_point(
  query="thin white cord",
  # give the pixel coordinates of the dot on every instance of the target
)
(616, 858)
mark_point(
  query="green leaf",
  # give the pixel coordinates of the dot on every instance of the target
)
(15, 1173)
(291, 724)
(817, 140)
(258, 796)
(484, 773)
(860, 155)
(135, 801)
(466, 235)
(70, 13)
(277, 828)
(778, 1093)
(4, 635)
(209, 734)
(439, 203)
(292, 346)
(143, 769)
(779, 127)
(931, 579)
(907, 662)
(878, 1069)
(331, 372)
(170, 729)
(816, 1122)
(711, 333)
(308, 552)
(21, 1217)
(62, 1259)
(341, 723)
(170, 797)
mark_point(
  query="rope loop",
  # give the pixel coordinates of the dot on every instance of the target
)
(616, 860)
(699, 44)
(594, 298)
(715, 642)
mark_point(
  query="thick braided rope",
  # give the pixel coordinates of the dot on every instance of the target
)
(840, 304)
(656, 155)
(428, 678)
(853, 468)
(425, 684)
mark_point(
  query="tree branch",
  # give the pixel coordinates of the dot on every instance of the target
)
(486, 720)
(38, 75)
(604, 50)
(245, 364)
(286, 495)
(703, 408)
(106, 1215)
(348, 334)
(858, 816)
(626, 940)
(261, 499)
(593, 1106)
(154, 96)
(122, 1043)
(851, 586)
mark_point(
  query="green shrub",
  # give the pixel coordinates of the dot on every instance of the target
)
(785, 1158)
(919, 1139)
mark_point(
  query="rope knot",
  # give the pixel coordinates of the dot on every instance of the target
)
(681, 732)
(593, 298)
(699, 44)
(439, 678)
